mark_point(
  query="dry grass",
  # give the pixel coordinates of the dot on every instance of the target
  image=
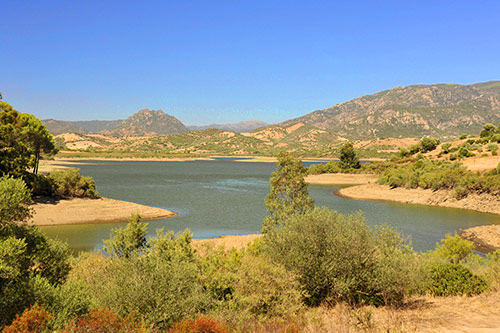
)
(423, 314)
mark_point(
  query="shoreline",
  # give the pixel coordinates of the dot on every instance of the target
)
(483, 203)
(341, 179)
(56, 211)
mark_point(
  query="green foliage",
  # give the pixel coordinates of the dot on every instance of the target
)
(348, 158)
(128, 241)
(449, 279)
(487, 131)
(454, 249)
(341, 258)
(446, 147)
(14, 200)
(23, 139)
(438, 175)
(464, 152)
(161, 286)
(28, 259)
(69, 183)
(288, 192)
(428, 144)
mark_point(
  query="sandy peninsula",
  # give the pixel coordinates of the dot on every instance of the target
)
(341, 179)
(485, 237)
(50, 211)
(479, 202)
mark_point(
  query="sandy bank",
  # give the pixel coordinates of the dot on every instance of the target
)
(79, 211)
(227, 241)
(341, 179)
(485, 237)
(479, 202)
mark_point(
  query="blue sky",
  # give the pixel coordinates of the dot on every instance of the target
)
(226, 61)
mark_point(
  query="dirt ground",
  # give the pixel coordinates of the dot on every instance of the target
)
(52, 211)
(486, 237)
(423, 314)
(341, 179)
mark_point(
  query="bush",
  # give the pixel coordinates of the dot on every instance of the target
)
(69, 183)
(453, 157)
(33, 319)
(453, 249)
(341, 258)
(28, 259)
(162, 285)
(445, 147)
(104, 321)
(199, 325)
(449, 279)
(428, 144)
(249, 289)
(14, 200)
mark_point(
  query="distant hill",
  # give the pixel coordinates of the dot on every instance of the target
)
(148, 123)
(241, 127)
(300, 138)
(96, 126)
(57, 127)
(441, 110)
(143, 123)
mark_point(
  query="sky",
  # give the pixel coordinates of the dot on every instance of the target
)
(228, 61)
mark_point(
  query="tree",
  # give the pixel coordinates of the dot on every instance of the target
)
(125, 242)
(427, 144)
(23, 138)
(14, 200)
(488, 130)
(348, 158)
(288, 194)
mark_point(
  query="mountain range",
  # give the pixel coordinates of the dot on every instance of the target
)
(439, 110)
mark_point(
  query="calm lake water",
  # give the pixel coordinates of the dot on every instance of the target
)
(224, 197)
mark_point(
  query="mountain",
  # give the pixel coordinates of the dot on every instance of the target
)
(57, 127)
(241, 127)
(143, 123)
(440, 110)
(96, 126)
(148, 123)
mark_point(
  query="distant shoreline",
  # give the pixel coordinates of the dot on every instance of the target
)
(483, 203)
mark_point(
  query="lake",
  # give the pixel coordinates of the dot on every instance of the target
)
(224, 197)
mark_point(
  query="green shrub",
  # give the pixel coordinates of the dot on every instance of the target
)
(449, 279)
(445, 147)
(69, 183)
(463, 136)
(14, 200)
(453, 157)
(453, 249)
(428, 144)
(341, 258)
(162, 285)
(495, 138)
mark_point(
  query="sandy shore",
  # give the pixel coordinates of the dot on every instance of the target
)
(51, 211)
(485, 237)
(341, 179)
(479, 202)
(228, 241)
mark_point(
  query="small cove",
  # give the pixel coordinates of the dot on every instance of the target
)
(223, 197)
